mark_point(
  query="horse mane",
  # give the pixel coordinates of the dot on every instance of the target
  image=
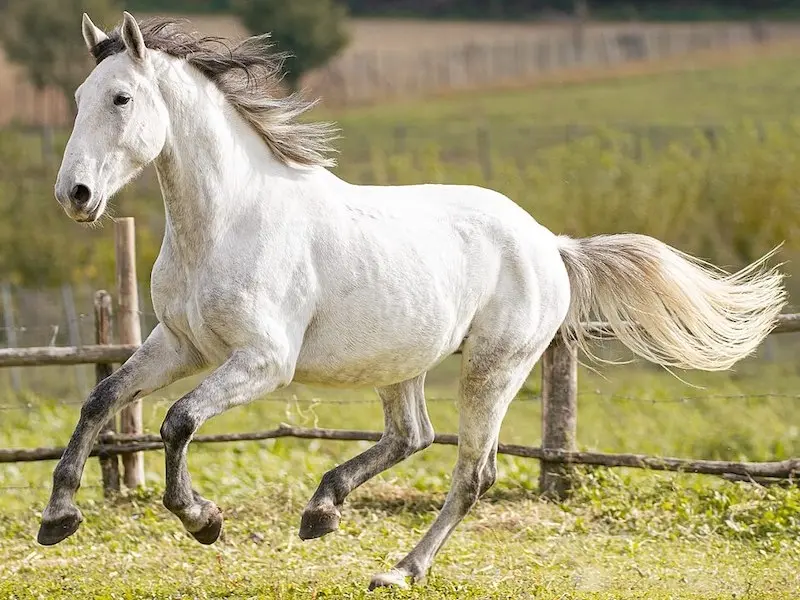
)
(248, 73)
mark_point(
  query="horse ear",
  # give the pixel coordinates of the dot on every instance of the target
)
(132, 36)
(92, 35)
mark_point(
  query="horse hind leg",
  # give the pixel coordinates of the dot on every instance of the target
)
(488, 384)
(407, 430)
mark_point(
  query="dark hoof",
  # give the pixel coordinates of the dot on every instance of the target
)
(210, 533)
(54, 531)
(319, 521)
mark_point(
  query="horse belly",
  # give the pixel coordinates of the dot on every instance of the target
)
(357, 353)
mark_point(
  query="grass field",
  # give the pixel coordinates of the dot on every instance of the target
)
(624, 534)
(763, 89)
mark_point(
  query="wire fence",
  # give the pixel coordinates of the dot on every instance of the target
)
(530, 395)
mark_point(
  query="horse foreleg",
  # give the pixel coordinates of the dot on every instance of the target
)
(245, 376)
(155, 364)
(407, 430)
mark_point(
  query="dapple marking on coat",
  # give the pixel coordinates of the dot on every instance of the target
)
(273, 270)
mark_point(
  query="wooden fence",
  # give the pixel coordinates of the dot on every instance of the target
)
(557, 453)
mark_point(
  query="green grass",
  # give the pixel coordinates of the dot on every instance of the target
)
(624, 534)
(670, 103)
(600, 545)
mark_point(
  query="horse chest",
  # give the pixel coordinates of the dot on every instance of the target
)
(203, 316)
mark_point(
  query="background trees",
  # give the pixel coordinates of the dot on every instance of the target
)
(44, 37)
(311, 31)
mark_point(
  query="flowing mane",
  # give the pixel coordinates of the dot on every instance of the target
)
(249, 76)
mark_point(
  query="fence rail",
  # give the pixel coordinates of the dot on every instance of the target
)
(558, 452)
(65, 355)
(112, 445)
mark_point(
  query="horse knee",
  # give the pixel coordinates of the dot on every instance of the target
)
(178, 427)
(468, 490)
(100, 399)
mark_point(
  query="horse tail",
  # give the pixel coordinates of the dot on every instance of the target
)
(666, 306)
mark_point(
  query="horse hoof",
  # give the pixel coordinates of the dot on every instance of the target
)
(210, 533)
(319, 521)
(394, 579)
(53, 531)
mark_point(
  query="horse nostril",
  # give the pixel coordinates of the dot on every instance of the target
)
(80, 195)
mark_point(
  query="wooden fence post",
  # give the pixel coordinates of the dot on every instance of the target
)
(109, 465)
(129, 333)
(559, 414)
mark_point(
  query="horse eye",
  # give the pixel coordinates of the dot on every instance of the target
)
(121, 99)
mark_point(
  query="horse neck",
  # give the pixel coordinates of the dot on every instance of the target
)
(213, 166)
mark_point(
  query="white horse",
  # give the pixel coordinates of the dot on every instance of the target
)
(274, 270)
